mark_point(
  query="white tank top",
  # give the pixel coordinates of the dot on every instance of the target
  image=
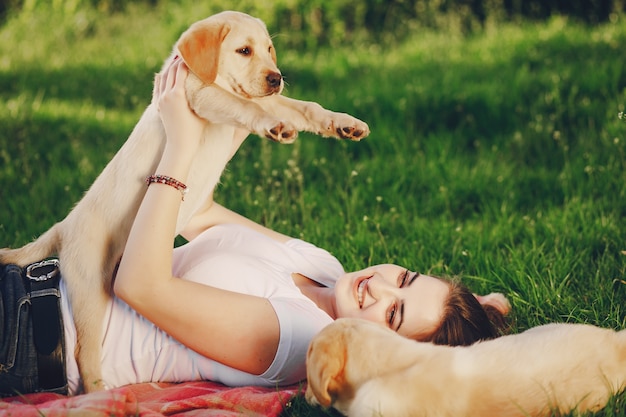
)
(135, 350)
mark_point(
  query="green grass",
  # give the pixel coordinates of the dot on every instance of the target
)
(497, 157)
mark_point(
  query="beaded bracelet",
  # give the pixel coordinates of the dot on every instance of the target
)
(172, 182)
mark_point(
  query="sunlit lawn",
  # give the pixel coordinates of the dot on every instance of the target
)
(497, 157)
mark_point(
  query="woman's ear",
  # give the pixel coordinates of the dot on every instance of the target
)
(495, 300)
(200, 46)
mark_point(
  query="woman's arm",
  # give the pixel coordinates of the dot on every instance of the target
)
(235, 329)
(214, 214)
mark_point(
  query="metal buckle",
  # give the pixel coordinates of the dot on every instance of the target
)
(33, 273)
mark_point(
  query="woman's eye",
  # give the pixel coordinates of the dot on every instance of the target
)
(244, 51)
(404, 278)
(392, 314)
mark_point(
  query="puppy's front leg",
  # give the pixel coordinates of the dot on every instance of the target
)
(217, 105)
(311, 117)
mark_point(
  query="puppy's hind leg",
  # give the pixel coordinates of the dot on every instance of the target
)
(86, 284)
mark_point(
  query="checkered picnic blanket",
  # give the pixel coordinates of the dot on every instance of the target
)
(155, 400)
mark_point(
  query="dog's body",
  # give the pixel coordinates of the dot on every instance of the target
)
(235, 85)
(363, 369)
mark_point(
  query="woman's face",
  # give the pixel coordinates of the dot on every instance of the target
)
(405, 301)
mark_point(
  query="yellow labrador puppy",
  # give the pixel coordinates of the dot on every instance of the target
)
(364, 369)
(235, 84)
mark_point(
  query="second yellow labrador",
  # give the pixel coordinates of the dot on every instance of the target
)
(234, 84)
(363, 369)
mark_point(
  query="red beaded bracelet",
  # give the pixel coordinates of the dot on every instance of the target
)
(172, 182)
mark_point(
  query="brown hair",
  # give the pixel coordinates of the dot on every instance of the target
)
(466, 320)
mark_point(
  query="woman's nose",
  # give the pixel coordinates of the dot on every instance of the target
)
(379, 288)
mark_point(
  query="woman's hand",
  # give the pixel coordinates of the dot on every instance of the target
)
(182, 126)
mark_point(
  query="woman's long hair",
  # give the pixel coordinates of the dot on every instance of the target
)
(465, 320)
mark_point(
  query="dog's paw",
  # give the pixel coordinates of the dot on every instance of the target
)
(344, 126)
(282, 133)
(94, 386)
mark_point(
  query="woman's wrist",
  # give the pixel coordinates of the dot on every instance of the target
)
(170, 182)
(175, 162)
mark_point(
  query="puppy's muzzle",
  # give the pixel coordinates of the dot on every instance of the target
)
(274, 81)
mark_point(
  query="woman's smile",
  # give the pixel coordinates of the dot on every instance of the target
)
(361, 287)
(393, 296)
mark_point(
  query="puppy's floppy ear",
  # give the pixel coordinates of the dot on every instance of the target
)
(326, 360)
(200, 48)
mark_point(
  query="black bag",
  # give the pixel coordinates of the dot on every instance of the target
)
(32, 345)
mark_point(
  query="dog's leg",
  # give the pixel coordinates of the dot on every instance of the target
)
(311, 117)
(88, 309)
(218, 106)
(275, 117)
(87, 268)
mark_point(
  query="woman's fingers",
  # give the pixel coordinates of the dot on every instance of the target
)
(171, 77)
(181, 74)
(180, 122)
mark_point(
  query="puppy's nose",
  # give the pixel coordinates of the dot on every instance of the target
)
(274, 79)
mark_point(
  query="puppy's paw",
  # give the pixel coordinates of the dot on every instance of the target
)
(344, 126)
(282, 133)
(94, 385)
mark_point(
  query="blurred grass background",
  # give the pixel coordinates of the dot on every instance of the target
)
(496, 152)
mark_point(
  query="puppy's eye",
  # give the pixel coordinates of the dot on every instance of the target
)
(244, 51)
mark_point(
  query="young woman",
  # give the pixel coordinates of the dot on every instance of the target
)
(240, 303)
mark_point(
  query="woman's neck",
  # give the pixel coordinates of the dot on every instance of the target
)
(323, 297)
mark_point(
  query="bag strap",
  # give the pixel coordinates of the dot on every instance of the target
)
(43, 280)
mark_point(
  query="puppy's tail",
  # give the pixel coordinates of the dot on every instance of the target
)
(46, 245)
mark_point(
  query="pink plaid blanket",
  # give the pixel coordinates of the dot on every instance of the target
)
(188, 399)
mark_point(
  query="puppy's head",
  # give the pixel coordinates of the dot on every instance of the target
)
(326, 364)
(344, 355)
(233, 50)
